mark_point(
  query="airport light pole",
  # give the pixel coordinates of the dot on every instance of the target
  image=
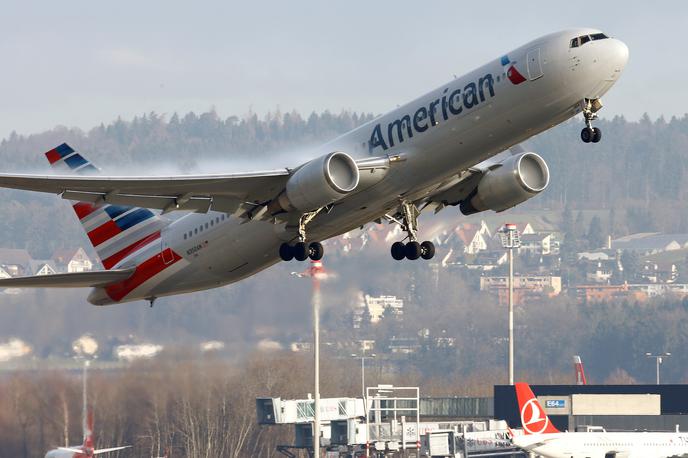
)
(659, 359)
(316, 273)
(510, 240)
(363, 390)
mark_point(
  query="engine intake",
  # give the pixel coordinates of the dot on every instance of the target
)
(518, 179)
(318, 183)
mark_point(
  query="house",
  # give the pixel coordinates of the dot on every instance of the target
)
(651, 242)
(72, 260)
(473, 238)
(531, 286)
(539, 243)
(42, 267)
(15, 262)
(375, 307)
(659, 272)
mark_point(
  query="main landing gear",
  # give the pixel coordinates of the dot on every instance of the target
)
(411, 250)
(302, 250)
(591, 134)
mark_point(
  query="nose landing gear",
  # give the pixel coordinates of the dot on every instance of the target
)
(591, 134)
(411, 250)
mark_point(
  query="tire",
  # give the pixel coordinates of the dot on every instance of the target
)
(427, 250)
(587, 135)
(300, 251)
(412, 250)
(596, 135)
(316, 251)
(398, 251)
(286, 252)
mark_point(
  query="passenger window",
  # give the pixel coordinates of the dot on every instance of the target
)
(206, 226)
(584, 39)
(196, 231)
(185, 236)
(212, 222)
(574, 43)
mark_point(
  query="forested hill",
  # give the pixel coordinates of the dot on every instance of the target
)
(638, 171)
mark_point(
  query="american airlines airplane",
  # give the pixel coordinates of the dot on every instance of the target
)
(542, 438)
(458, 145)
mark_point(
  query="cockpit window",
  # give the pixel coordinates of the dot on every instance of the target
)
(580, 41)
(598, 36)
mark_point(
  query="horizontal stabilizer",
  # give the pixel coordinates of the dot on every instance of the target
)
(69, 280)
(108, 450)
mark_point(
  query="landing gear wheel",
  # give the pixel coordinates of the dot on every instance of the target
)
(286, 252)
(427, 250)
(316, 251)
(300, 251)
(596, 135)
(412, 250)
(398, 251)
(587, 134)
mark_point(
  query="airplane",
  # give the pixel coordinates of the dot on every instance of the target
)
(540, 437)
(458, 145)
(86, 450)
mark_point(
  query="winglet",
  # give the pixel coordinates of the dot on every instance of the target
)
(533, 417)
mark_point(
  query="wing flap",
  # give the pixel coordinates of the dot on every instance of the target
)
(69, 280)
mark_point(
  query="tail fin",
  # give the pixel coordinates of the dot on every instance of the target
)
(115, 231)
(533, 417)
(580, 372)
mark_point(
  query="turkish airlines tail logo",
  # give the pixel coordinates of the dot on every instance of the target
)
(511, 72)
(533, 416)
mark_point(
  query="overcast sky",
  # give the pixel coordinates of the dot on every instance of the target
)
(80, 63)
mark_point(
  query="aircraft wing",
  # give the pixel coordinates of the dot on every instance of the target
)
(226, 192)
(69, 280)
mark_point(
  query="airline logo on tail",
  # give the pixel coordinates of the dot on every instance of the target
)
(533, 416)
(511, 72)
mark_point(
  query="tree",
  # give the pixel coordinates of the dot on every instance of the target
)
(596, 236)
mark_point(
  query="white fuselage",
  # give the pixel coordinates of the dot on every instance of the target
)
(440, 134)
(604, 444)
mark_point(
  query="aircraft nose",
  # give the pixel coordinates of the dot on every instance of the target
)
(618, 54)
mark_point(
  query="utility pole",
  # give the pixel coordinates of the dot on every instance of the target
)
(510, 240)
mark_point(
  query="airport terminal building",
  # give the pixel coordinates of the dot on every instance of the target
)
(615, 407)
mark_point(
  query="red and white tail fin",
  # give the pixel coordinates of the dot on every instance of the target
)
(115, 231)
(533, 417)
(580, 372)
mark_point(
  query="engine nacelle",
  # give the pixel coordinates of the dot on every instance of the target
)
(518, 179)
(319, 182)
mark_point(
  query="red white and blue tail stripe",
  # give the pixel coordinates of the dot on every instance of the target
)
(115, 231)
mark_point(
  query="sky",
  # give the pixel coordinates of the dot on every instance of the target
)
(81, 63)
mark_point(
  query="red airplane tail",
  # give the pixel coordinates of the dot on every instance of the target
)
(89, 442)
(580, 372)
(533, 417)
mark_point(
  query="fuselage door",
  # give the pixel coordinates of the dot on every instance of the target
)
(165, 250)
(534, 65)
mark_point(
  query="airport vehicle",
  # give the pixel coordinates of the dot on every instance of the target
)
(542, 438)
(86, 450)
(458, 145)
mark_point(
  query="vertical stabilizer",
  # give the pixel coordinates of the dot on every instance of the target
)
(533, 417)
(580, 372)
(115, 231)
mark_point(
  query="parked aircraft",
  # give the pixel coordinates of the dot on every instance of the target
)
(86, 450)
(542, 438)
(458, 145)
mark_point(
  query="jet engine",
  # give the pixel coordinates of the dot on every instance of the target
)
(318, 183)
(516, 180)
